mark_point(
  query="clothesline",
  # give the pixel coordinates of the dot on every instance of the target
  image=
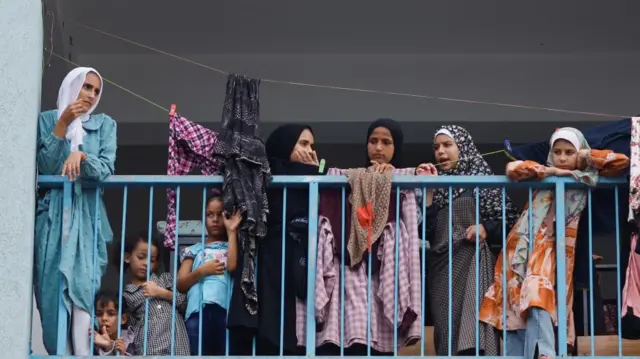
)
(113, 83)
(329, 87)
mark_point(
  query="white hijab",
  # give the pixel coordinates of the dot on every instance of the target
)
(68, 94)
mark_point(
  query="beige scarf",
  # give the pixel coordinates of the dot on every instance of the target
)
(370, 195)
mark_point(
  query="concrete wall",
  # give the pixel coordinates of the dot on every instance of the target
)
(20, 85)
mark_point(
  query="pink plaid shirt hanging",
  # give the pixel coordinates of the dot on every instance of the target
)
(190, 146)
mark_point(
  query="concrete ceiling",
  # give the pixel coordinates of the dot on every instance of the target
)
(356, 26)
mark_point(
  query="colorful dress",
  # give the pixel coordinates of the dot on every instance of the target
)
(531, 277)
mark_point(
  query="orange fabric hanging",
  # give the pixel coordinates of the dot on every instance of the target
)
(365, 218)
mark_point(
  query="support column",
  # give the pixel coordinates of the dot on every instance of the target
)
(20, 83)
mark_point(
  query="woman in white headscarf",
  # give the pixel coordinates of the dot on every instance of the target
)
(72, 142)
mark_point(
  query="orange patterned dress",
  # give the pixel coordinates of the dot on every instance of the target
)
(531, 277)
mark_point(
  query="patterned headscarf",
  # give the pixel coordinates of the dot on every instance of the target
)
(471, 163)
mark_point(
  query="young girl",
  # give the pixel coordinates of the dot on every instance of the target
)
(106, 340)
(531, 276)
(159, 291)
(202, 274)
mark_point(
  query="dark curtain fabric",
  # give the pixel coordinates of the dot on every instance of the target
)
(246, 175)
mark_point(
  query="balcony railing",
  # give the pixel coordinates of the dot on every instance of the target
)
(314, 184)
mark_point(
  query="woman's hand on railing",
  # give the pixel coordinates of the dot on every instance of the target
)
(426, 169)
(381, 167)
(558, 172)
(71, 167)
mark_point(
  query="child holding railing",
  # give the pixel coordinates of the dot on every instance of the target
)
(531, 274)
(105, 339)
(159, 290)
(204, 275)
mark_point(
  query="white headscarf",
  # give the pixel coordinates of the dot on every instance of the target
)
(68, 94)
(567, 134)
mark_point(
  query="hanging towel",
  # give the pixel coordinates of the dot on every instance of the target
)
(370, 194)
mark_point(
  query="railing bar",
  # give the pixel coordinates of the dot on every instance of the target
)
(342, 269)
(401, 180)
(561, 243)
(369, 304)
(477, 245)
(504, 269)
(149, 244)
(282, 278)
(619, 287)
(125, 197)
(96, 224)
(63, 315)
(202, 236)
(424, 270)
(591, 318)
(450, 275)
(176, 253)
(397, 276)
(311, 268)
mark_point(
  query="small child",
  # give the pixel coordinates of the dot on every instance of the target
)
(202, 273)
(531, 273)
(106, 342)
(159, 291)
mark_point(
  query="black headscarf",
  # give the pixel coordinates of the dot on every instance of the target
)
(280, 144)
(398, 139)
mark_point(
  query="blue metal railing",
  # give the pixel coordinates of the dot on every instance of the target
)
(313, 184)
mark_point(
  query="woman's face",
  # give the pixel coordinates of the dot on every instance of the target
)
(304, 144)
(564, 155)
(90, 91)
(380, 145)
(446, 152)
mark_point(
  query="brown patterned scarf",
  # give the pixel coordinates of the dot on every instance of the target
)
(370, 195)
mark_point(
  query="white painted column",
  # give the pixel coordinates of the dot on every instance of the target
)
(21, 55)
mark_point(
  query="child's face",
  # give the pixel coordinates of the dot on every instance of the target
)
(446, 152)
(215, 221)
(564, 155)
(137, 260)
(107, 314)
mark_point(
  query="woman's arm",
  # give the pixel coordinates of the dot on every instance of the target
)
(232, 251)
(103, 165)
(607, 162)
(52, 150)
(524, 170)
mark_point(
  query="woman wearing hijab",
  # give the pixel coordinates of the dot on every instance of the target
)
(531, 303)
(384, 144)
(290, 152)
(457, 155)
(73, 142)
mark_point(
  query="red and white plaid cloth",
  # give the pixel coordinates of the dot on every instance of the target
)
(190, 146)
(327, 298)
